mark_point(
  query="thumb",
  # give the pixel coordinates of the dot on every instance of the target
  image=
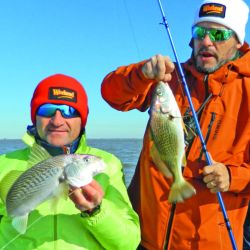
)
(209, 168)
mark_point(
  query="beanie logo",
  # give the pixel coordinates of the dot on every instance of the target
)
(212, 9)
(62, 94)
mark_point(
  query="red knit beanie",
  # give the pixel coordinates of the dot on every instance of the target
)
(60, 89)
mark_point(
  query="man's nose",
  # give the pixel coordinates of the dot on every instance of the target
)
(57, 118)
(207, 41)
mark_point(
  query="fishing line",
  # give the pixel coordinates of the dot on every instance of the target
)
(203, 144)
(35, 221)
(132, 29)
(17, 236)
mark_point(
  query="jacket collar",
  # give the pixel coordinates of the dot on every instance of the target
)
(225, 74)
(32, 137)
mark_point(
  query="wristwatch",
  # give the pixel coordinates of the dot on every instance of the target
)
(90, 213)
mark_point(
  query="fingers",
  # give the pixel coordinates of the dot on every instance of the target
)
(216, 177)
(213, 187)
(158, 68)
(209, 178)
(80, 200)
(96, 186)
(87, 197)
(208, 170)
(212, 183)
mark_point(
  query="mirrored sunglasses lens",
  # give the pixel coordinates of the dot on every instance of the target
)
(73, 112)
(68, 112)
(46, 110)
(198, 32)
(49, 110)
(221, 35)
(215, 35)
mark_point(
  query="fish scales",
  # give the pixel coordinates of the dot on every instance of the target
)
(34, 181)
(33, 177)
(162, 133)
(168, 150)
(42, 182)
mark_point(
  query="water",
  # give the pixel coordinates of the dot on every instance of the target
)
(127, 150)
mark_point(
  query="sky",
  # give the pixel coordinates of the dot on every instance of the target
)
(85, 40)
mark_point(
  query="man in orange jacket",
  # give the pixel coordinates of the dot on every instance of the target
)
(218, 76)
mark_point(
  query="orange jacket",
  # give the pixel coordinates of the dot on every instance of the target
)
(198, 222)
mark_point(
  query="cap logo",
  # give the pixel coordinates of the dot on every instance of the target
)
(212, 9)
(62, 94)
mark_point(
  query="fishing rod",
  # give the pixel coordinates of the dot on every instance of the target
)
(204, 148)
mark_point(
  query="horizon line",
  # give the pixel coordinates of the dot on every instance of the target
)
(99, 138)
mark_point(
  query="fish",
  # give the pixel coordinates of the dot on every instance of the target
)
(49, 178)
(167, 133)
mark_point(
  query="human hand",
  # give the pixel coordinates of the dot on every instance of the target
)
(87, 197)
(158, 68)
(216, 177)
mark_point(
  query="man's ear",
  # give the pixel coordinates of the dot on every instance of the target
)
(239, 45)
(191, 43)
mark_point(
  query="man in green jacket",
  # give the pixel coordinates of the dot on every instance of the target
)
(96, 216)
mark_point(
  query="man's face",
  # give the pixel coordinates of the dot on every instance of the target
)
(208, 55)
(57, 130)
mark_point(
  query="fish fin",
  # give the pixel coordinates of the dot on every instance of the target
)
(20, 223)
(159, 163)
(184, 160)
(184, 127)
(37, 154)
(7, 182)
(188, 130)
(180, 191)
(60, 192)
(53, 204)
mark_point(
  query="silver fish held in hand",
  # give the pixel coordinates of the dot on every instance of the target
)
(48, 179)
(168, 150)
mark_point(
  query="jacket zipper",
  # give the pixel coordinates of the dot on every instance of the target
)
(170, 224)
(66, 151)
(55, 231)
(208, 132)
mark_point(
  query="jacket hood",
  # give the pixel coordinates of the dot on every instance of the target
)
(242, 64)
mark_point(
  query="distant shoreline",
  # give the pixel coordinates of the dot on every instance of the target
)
(5, 139)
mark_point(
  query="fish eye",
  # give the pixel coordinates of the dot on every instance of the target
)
(86, 159)
(159, 92)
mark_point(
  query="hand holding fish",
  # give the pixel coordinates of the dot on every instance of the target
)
(216, 177)
(49, 179)
(159, 68)
(88, 196)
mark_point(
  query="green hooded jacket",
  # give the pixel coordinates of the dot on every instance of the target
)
(116, 226)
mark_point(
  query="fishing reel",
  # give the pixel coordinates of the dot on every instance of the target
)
(190, 127)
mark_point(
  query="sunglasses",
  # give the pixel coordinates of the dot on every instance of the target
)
(215, 35)
(49, 110)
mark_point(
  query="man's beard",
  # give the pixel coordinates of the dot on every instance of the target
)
(211, 69)
(216, 67)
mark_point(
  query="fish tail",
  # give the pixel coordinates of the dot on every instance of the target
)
(20, 223)
(180, 191)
